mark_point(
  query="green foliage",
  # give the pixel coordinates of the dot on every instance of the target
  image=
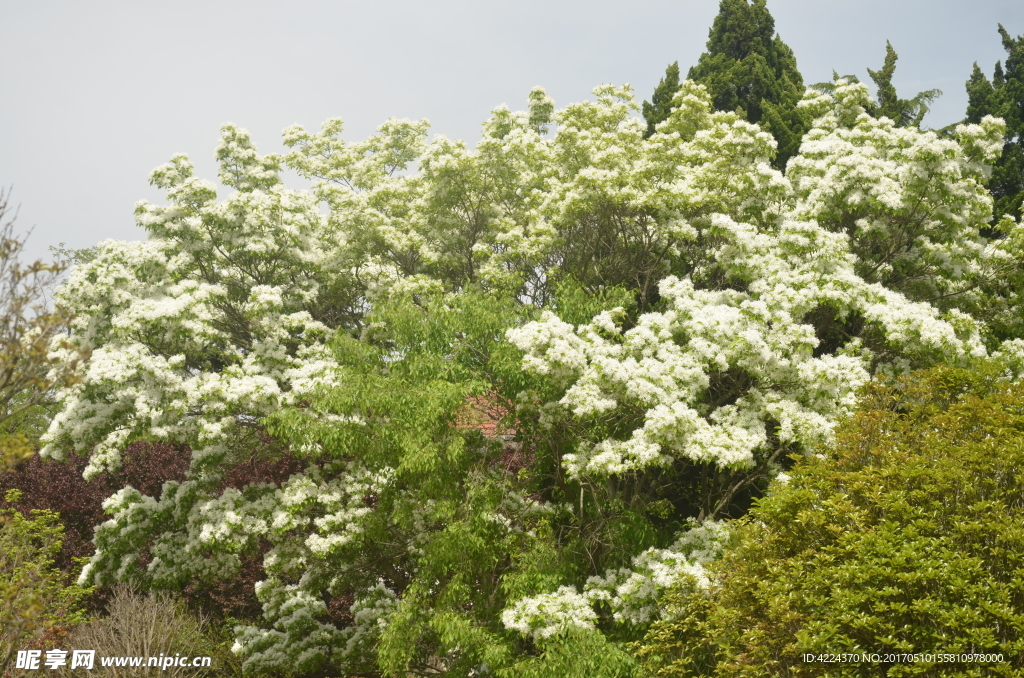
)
(28, 371)
(576, 304)
(437, 533)
(660, 105)
(34, 596)
(747, 68)
(907, 538)
(71, 256)
(1003, 97)
(904, 112)
(578, 653)
(407, 381)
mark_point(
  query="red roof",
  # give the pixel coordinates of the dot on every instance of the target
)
(485, 413)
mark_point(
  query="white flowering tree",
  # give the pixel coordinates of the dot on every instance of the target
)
(662, 321)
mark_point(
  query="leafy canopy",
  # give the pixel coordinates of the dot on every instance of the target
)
(34, 595)
(33, 359)
(659, 108)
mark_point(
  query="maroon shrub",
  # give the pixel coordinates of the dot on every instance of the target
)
(59, 486)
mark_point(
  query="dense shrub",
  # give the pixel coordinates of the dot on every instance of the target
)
(907, 538)
(35, 598)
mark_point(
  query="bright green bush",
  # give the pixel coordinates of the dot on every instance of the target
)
(907, 538)
(34, 595)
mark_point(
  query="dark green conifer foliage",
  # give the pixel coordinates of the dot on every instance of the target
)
(904, 112)
(1003, 97)
(747, 68)
(979, 94)
(660, 106)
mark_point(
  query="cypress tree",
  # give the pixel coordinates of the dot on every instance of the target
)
(747, 68)
(660, 106)
(1003, 97)
(904, 112)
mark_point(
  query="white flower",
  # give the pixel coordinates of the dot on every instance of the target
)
(549, 613)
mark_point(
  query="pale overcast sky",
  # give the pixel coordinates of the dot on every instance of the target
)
(95, 95)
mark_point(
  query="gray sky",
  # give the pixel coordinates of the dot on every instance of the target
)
(95, 95)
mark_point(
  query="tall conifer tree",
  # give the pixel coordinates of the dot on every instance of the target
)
(904, 112)
(749, 69)
(660, 105)
(1003, 97)
(888, 104)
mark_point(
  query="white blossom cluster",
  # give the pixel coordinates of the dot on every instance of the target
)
(299, 641)
(1011, 354)
(550, 613)
(667, 364)
(728, 371)
(909, 201)
(204, 328)
(308, 521)
(193, 536)
(631, 593)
